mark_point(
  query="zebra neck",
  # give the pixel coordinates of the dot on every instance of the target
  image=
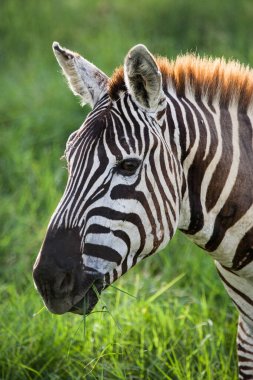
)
(214, 146)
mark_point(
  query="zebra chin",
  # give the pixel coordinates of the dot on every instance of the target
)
(86, 304)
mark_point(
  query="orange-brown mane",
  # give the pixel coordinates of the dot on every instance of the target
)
(204, 76)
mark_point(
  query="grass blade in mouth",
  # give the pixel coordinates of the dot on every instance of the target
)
(85, 309)
(96, 292)
(123, 291)
(104, 305)
(85, 305)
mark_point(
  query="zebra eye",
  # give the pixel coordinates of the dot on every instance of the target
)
(128, 166)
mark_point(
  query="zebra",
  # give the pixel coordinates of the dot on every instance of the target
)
(167, 146)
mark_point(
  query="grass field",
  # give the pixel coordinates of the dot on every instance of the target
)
(177, 321)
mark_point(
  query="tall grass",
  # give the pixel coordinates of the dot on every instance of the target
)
(188, 331)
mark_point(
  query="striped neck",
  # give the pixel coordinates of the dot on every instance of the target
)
(212, 145)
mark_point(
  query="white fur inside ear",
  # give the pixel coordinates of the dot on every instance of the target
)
(143, 78)
(84, 78)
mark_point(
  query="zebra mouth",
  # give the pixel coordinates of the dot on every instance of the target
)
(89, 300)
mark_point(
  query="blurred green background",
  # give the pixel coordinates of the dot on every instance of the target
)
(184, 331)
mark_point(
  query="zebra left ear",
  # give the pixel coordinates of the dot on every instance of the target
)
(143, 78)
(84, 79)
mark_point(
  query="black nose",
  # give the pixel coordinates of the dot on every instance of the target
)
(65, 282)
(59, 273)
(59, 282)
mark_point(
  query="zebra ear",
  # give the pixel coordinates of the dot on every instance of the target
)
(84, 79)
(143, 78)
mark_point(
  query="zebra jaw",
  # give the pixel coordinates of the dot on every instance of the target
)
(87, 303)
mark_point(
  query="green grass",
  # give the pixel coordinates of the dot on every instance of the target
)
(169, 331)
(186, 332)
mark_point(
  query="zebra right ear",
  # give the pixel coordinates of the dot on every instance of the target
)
(143, 78)
(84, 79)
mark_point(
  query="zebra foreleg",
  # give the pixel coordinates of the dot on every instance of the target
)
(241, 291)
(245, 350)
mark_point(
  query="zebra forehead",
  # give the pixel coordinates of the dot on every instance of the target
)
(204, 76)
(105, 125)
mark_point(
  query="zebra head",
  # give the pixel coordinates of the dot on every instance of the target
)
(121, 203)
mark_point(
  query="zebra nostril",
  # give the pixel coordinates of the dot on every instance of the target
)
(65, 283)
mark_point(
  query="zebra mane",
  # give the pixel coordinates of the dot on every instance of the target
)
(216, 78)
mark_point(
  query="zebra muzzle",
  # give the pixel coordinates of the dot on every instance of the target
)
(60, 276)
